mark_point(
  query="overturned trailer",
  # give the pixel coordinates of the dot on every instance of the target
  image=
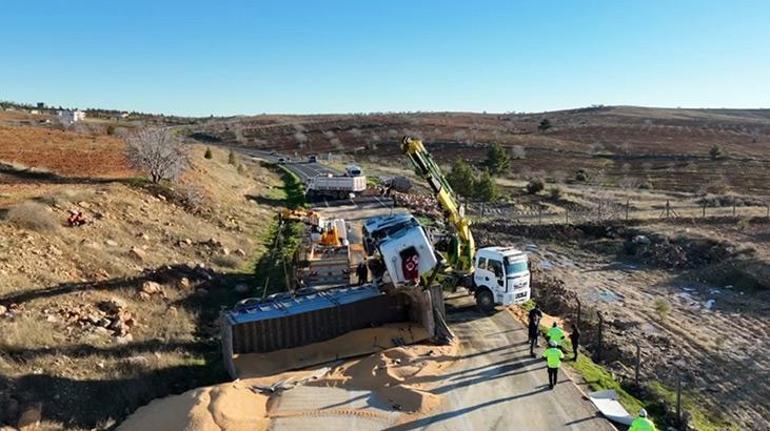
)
(314, 316)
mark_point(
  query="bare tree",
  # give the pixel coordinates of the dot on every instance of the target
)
(158, 152)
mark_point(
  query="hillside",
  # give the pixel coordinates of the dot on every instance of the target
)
(100, 319)
(617, 146)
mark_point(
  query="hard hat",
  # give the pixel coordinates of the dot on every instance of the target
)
(552, 343)
(555, 324)
(643, 413)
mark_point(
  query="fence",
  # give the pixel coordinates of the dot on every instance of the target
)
(603, 211)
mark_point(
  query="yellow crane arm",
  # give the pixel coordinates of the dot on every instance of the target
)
(461, 253)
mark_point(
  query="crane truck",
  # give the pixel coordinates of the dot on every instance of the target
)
(495, 275)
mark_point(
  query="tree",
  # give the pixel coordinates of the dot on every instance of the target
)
(716, 152)
(461, 178)
(486, 189)
(158, 152)
(544, 125)
(498, 161)
(208, 154)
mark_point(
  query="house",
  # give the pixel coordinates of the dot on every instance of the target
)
(68, 117)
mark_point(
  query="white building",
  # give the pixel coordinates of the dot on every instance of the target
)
(68, 117)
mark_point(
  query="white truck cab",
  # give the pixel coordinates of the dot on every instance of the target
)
(501, 277)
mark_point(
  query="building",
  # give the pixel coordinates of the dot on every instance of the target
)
(68, 117)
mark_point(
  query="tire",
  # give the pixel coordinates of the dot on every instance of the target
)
(485, 301)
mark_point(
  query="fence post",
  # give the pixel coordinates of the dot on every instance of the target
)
(566, 215)
(679, 399)
(638, 363)
(733, 207)
(540, 215)
(668, 208)
(768, 210)
(704, 209)
(599, 344)
(628, 207)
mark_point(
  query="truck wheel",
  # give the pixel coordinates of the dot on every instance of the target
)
(484, 301)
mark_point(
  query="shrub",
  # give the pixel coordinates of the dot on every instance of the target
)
(646, 184)
(544, 125)
(497, 161)
(662, 307)
(32, 216)
(555, 192)
(208, 154)
(110, 130)
(535, 185)
(241, 169)
(716, 152)
(581, 175)
(190, 196)
(228, 261)
(231, 158)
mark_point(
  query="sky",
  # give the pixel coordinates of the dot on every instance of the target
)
(250, 57)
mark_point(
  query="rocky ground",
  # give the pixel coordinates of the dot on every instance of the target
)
(694, 297)
(99, 319)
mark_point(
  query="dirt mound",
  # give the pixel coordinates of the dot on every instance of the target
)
(394, 375)
(229, 406)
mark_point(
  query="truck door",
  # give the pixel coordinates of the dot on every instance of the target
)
(496, 268)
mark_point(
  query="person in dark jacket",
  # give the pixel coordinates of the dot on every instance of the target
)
(533, 328)
(574, 337)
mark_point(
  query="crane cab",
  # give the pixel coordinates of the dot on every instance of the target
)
(501, 277)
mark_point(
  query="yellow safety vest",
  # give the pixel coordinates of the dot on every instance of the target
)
(554, 357)
(642, 424)
(556, 334)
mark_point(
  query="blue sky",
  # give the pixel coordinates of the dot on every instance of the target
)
(249, 57)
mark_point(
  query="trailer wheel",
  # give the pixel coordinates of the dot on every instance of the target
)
(484, 301)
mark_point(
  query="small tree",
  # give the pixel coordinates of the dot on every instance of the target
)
(461, 178)
(535, 185)
(716, 152)
(208, 154)
(486, 189)
(555, 192)
(158, 152)
(544, 125)
(498, 161)
(231, 159)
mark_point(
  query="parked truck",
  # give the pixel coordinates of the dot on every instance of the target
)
(335, 187)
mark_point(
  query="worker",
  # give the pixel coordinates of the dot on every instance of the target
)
(362, 272)
(533, 326)
(642, 423)
(555, 334)
(553, 356)
(574, 337)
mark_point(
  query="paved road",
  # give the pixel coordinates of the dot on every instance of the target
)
(303, 170)
(495, 385)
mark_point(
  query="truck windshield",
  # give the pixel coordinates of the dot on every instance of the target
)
(515, 267)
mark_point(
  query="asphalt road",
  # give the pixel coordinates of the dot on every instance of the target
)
(302, 169)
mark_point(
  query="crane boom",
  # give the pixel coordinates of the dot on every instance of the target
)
(463, 247)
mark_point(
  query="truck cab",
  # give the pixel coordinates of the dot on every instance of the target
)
(501, 277)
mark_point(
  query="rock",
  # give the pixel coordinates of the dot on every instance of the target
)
(84, 204)
(202, 291)
(30, 417)
(137, 360)
(105, 322)
(225, 251)
(102, 330)
(149, 289)
(124, 339)
(184, 283)
(3, 310)
(138, 253)
(240, 252)
(112, 305)
(241, 288)
(111, 243)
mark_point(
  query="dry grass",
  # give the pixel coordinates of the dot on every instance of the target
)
(32, 216)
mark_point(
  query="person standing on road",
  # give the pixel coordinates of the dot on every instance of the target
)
(553, 356)
(574, 337)
(533, 326)
(362, 272)
(555, 334)
(641, 423)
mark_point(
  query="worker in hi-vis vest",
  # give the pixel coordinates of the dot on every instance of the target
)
(641, 423)
(555, 334)
(553, 356)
